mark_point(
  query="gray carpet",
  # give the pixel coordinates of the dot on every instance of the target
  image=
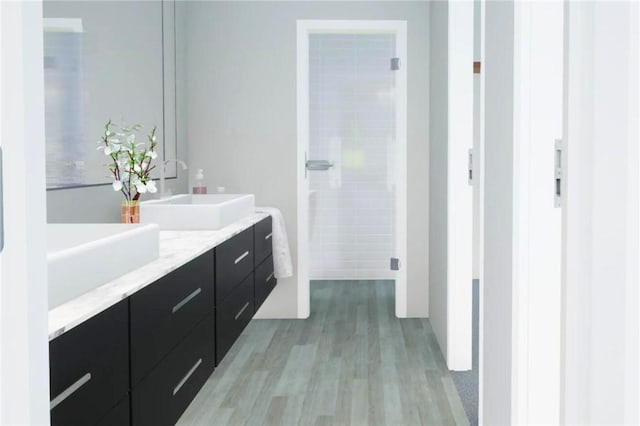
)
(467, 381)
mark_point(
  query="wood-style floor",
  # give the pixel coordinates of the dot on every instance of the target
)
(351, 363)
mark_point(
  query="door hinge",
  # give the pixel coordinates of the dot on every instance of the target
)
(395, 64)
(395, 264)
(557, 170)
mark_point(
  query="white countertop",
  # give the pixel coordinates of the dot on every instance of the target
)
(176, 249)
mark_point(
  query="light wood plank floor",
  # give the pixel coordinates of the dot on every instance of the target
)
(351, 363)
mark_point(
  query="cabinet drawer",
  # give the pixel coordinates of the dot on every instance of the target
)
(161, 398)
(163, 313)
(89, 368)
(264, 281)
(118, 416)
(234, 261)
(232, 316)
(263, 240)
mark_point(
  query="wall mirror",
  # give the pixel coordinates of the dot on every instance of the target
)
(105, 60)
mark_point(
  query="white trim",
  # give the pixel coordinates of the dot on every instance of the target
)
(480, 183)
(302, 69)
(459, 193)
(24, 367)
(304, 28)
(600, 303)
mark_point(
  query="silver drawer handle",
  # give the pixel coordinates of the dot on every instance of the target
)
(185, 301)
(69, 391)
(242, 310)
(242, 256)
(186, 377)
(269, 277)
(268, 235)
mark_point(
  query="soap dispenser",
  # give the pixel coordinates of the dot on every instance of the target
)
(199, 186)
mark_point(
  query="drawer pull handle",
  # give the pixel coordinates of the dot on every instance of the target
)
(269, 235)
(69, 391)
(269, 277)
(242, 256)
(242, 310)
(186, 300)
(186, 377)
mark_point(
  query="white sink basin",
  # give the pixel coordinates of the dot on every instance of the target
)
(197, 212)
(82, 257)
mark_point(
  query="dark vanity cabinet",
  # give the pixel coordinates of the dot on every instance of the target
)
(172, 342)
(142, 361)
(162, 397)
(264, 270)
(89, 369)
(234, 290)
(165, 312)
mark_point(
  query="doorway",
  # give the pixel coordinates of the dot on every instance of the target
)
(352, 145)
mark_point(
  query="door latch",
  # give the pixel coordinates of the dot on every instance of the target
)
(470, 167)
(557, 170)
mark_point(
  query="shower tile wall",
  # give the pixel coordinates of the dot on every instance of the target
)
(352, 124)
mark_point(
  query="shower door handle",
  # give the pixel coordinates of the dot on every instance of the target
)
(318, 165)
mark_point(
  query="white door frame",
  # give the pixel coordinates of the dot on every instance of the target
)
(24, 357)
(600, 286)
(304, 29)
(521, 279)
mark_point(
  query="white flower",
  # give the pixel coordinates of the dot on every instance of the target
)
(117, 185)
(153, 139)
(141, 187)
(153, 155)
(137, 168)
(151, 187)
(108, 150)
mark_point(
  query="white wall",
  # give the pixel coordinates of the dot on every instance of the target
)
(242, 113)
(497, 279)
(438, 170)
(601, 215)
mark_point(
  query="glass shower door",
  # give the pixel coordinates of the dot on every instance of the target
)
(352, 123)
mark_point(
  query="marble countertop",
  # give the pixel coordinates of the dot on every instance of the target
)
(176, 249)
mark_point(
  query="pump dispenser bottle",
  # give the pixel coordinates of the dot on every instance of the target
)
(199, 186)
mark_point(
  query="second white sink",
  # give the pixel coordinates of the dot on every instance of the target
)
(197, 212)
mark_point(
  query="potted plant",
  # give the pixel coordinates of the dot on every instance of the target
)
(130, 165)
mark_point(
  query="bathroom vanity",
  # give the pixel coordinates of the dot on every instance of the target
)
(137, 350)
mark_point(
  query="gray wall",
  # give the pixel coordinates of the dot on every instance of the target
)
(438, 173)
(241, 70)
(100, 204)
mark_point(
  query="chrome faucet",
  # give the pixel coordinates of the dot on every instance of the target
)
(163, 171)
